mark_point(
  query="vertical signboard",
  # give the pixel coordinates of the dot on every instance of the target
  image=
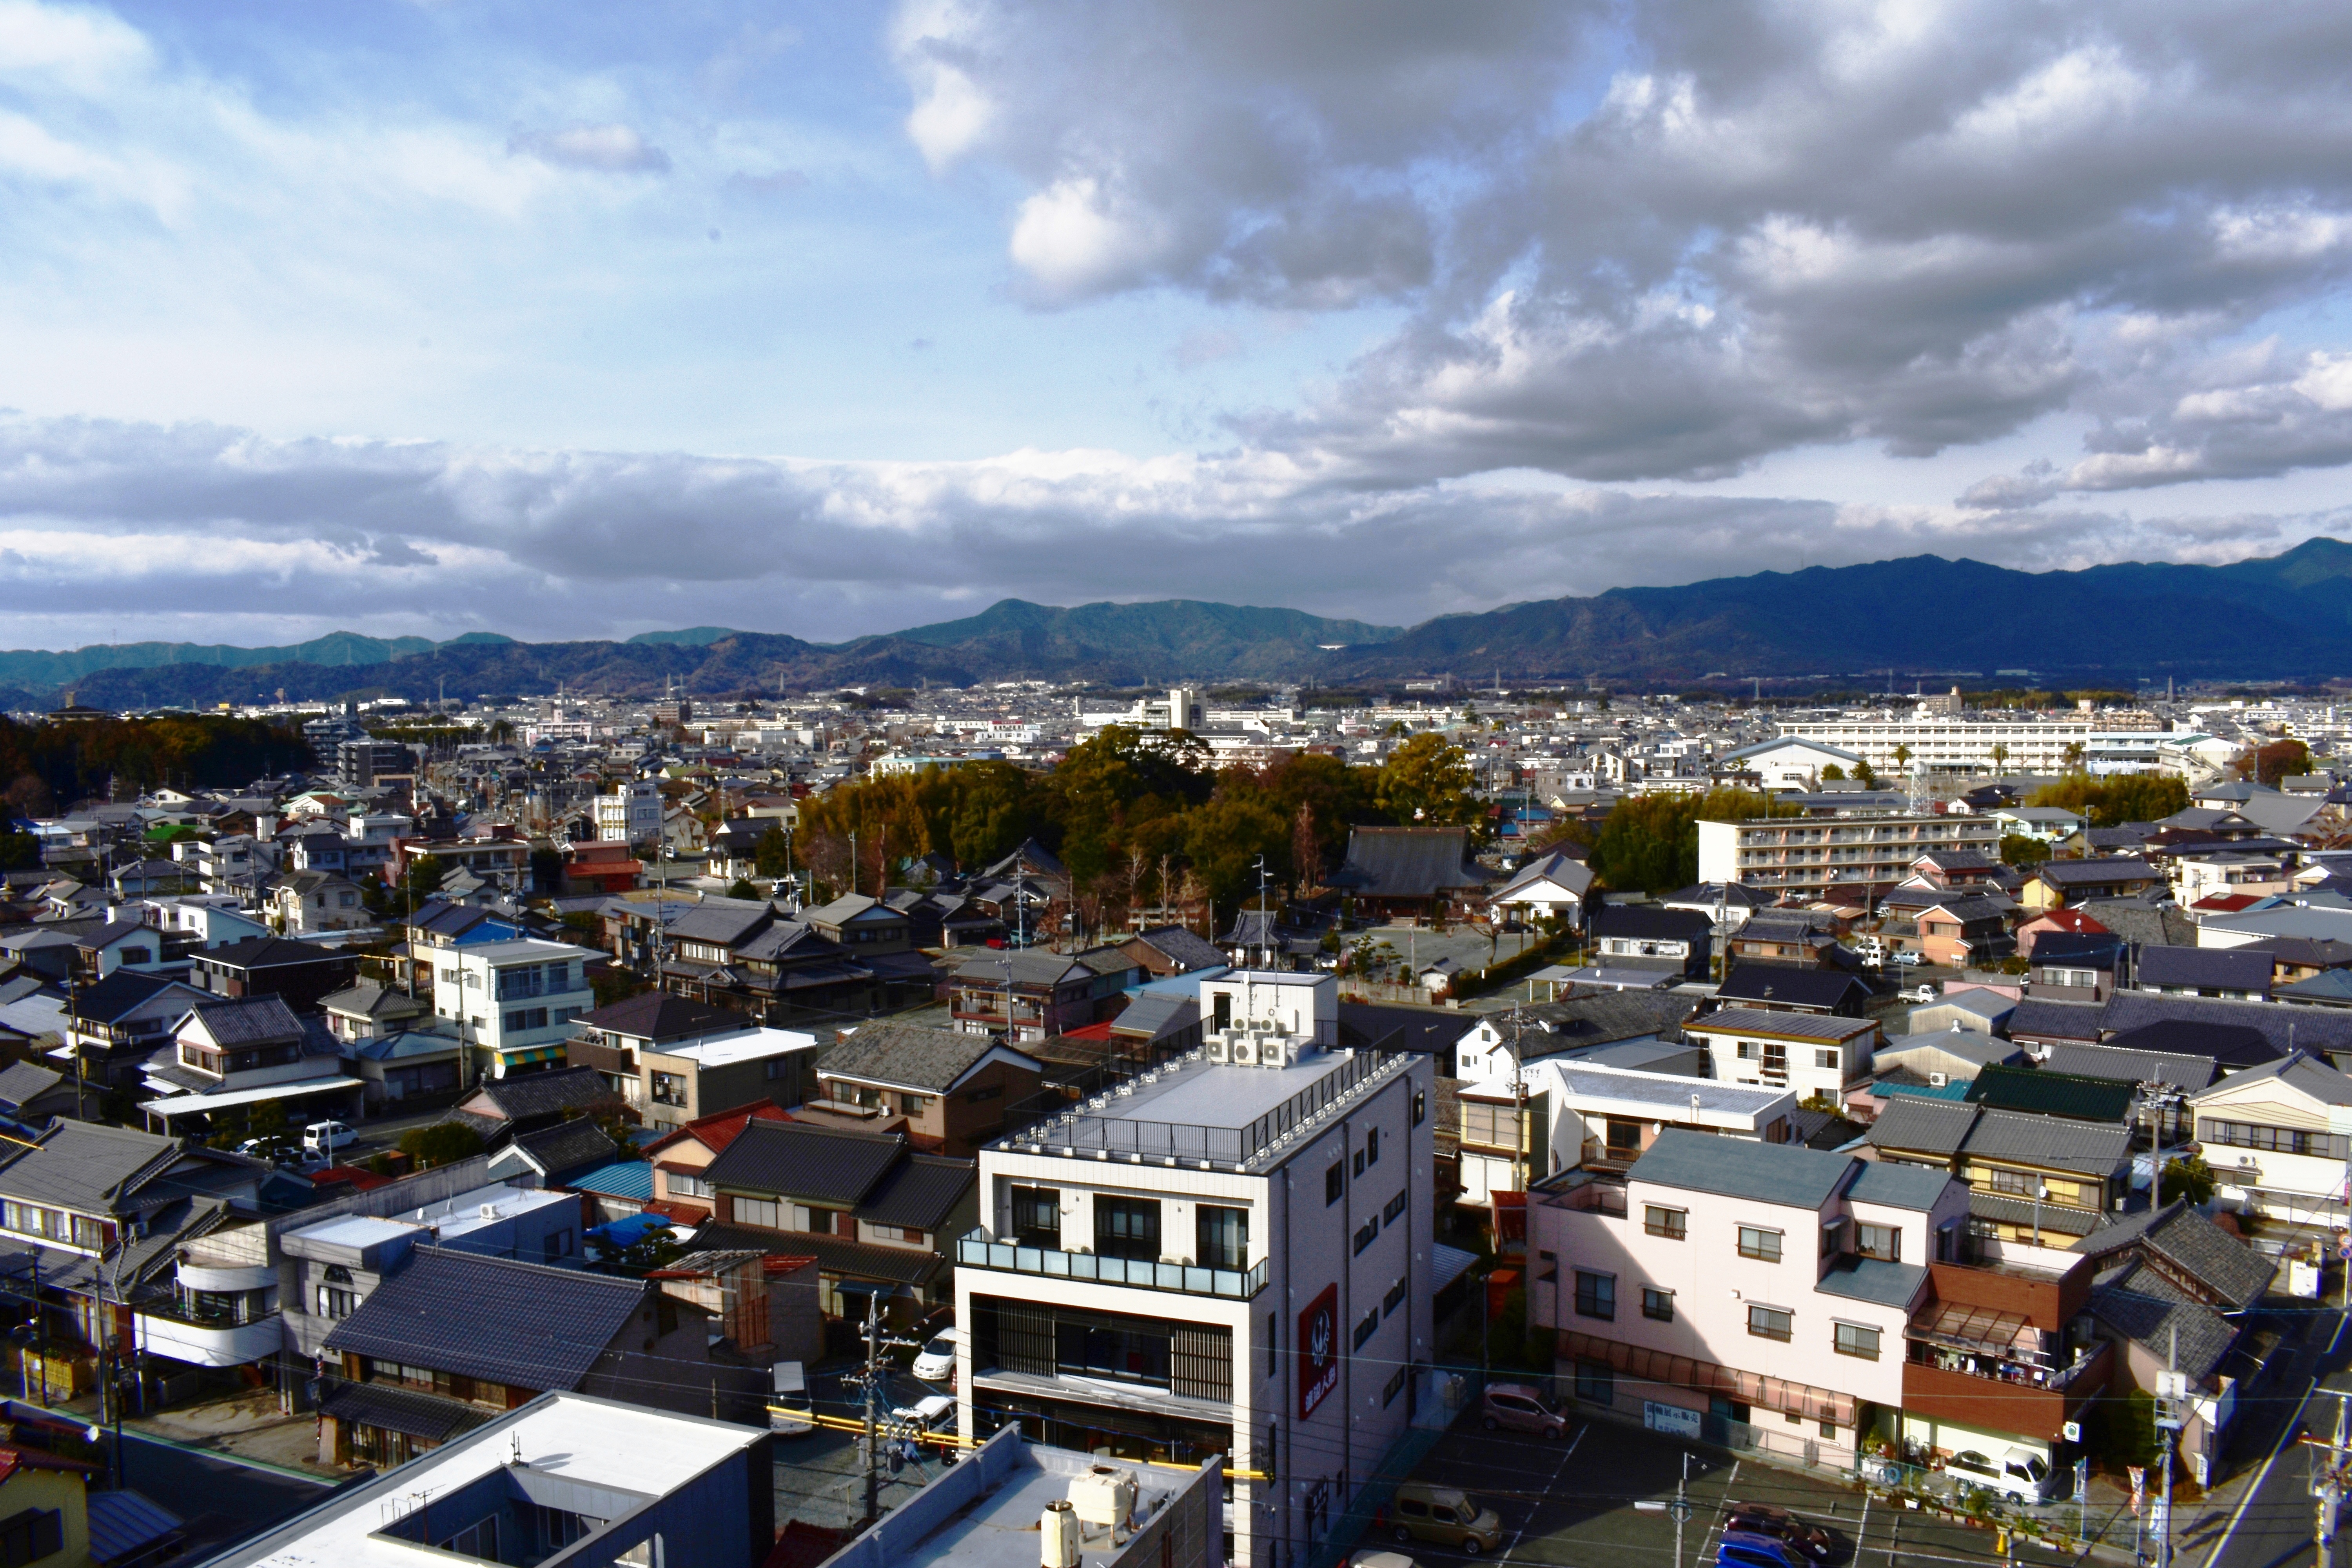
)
(1319, 1349)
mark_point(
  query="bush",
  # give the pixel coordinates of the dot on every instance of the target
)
(2186, 1176)
(442, 1143)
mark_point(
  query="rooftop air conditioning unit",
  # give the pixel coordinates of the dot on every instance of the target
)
(1938, 1079)
(1216, 1049)
(1244, 1052)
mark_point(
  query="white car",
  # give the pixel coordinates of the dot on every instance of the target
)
(937, 1363)
(325, 1137)
(789, 1411)
(2020, 1474)
(928, 1414)
(1908, 960)
(1922, 993)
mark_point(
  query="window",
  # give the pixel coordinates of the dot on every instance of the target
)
(1671, 1224)
(1420, 1106)
(682, 1185)
(1764, 1245)
(1829, 1056)
(1335, 1182)
(2022, 1183)
(31, 1535)
(1359, 1162)
(2274, 1139)
(1366, 1232)
(1747, 1049)
(1657, 1305)
(669, 1088)
(1770, 1323)
(1854, 1340)
(337, 1300)
(1037, 1216)
(1128, 1227)
(522, 1018)
(1596, 1295)
(1595, 1384)
(914, 1104)
(1373, 1147)
(1394, 1211)
(762, 1212)
(1367, 1328)
(895, 1233)
(1883, 1242)
(1394, 1386)
(1393, 1299)
(1223, 1236)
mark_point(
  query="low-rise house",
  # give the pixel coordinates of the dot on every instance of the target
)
(303, 903)
(2032, 1178)
(1564, 1114)
(1797, 939)
(512, 1002)
(1776, 988)
(367, 1010)
(665, 1487)
(2157, 1329)
(2055, 883)
(1549, 884)
(301, 973)
(1962, 930)
(2072, 921)
(2075, 967)
(954, 1088)
(2265, 1133)
(452, 1337)
(1497, 1042)
(499, 1109)
(1810, 1055)
(1649, 937)
(1029, 994)
(1162, 951)
(1942, 1057)
(872, 1210)
(2230, 974)
(2194, 1255)
(1973, 1008)
(2045, 1092)
(115, 1025)
(680, 1189)
(235, 1056)
(682, 1080)
(860, 925)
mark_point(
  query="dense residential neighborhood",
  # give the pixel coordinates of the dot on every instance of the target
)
(1241, 1080)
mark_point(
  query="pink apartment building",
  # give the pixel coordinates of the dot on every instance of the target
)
(1772, 1297)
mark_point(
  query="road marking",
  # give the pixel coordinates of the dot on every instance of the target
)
(1572, 1442)
(1861, 1531)
(1729, 1481)
(1520, 1534)
(2293, 1421)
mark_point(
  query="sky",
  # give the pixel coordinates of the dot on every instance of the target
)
(433, 316)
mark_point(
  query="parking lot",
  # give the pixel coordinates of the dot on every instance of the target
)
(1574, 1502)
(819, 1477)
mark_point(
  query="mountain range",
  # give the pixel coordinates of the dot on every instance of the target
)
(2282, 616)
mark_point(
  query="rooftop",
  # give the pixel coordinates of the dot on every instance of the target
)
(749, 1045)
(1779, 1174)
(638, 1453)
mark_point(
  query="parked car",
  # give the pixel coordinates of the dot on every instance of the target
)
(937, 1362)
(928, 1414)
(789, 1411)
(2020, 1474)
(1445, 1517)
(1906, 960)
(1922, 993)
(1381, 1560)
(325, 1137)
(1746, 1549)
(1763, 1519)
(1519, 1408)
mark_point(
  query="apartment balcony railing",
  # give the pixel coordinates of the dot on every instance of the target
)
(979, 1251)
(1600, 1156)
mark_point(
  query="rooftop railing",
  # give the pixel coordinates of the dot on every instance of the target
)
(1086, 1131)
(978, 1251)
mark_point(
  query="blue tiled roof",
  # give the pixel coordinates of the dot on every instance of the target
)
(621, 1179)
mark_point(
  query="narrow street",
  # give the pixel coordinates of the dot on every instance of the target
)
(2272, 1524)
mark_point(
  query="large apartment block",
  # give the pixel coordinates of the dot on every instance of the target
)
(1807, 855)
(1945, 743)
(1227, 1256)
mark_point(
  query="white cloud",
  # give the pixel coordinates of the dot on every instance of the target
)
(606, 149)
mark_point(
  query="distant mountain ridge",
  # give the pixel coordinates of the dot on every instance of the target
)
(2268, 618)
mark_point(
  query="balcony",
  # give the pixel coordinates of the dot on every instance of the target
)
(2021, 1396)
(1608, 1157)
(208, 1340)
(978, 1251)
(198, 1273)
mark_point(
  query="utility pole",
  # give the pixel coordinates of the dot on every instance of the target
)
(1683, 1508)
(873, 1456)
(2170, 1390)
(2327, 1489)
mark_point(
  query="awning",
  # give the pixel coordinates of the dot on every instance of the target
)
(1707, 1377)
(523, 1055)
(1971, 1328)
(192, 1104)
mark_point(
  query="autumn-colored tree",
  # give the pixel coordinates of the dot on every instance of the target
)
(2268, 764)
(1426, 781)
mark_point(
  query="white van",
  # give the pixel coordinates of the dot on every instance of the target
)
(325, 1137)
(2020, 1474)
(789, 1411)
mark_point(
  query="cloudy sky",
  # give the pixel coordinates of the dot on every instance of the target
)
(577, 321)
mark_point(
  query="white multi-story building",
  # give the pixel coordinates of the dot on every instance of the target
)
(1949, 742)
(1229, 1256)
(630, 814)
(1799, 1052)
(1805, 855)
(512, 1002)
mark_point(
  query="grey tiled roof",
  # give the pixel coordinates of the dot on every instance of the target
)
(1793, 1025)
(2145, 1308)
(2308, 1028)
(85, 1165)
(2128, 1066)
(2036, 1019)
(2221, 968)
(521, 1323)
(2055, 1219)
(2147, 925)
(1580, 1023)
(793, 1159)
(22, 1082)
(2099, 873)
(1763, 1173)
(568, 1146)
(1915, 1124)
(2231, 1272)
(1785, 986)
(1899, 1186)
(253, 1020)
(1408, 862)
(912, 1054)
(1186, 949)
(1875, 1281)
(921, 1192)
(548, 1093)
(2052, 1142)
(835, 1255)
(409, 1410)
